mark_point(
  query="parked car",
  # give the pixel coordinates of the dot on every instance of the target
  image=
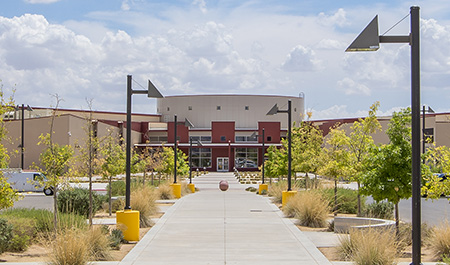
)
(27, 181)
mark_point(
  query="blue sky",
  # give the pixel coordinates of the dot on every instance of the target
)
(83, 49)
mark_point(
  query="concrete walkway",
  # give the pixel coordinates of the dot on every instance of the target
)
(232, 227)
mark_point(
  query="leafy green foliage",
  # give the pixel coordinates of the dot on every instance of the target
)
(7, 195)
(116, 239)
(389, 167)
(5, 234)
(77, 201)
(169, 158)
(347, 202)
(117, 188)
(382, 210)
(276, 164)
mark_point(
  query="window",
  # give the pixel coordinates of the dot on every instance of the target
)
(203, 139)
(429, 135)
(201, 157)
(246, 158)
(246, 139)
(189, 107)
(269, 138)
(223, 139)
(218, 108)
(168, 109)
(247, 108)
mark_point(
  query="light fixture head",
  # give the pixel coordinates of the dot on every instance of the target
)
(368, 39)
(273, 110)
(153, 92)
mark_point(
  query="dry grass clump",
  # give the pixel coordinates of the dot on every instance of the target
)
(69, 248)
(369, 246)
(165, 191)
(276, 190)
(143, 199)
(440, 241)
(98, 244)
(309, 207)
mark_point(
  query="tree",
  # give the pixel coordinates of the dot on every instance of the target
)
(55, 159)
(359, 142)
(307, 143)
(437, 160)
(388, 175)
(7, 195)
(87, 162)
(113, 162)
(150, 160)
(276, 164)
(168, 158)
(335, 159)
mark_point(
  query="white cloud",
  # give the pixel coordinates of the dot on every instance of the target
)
(351, 87)
(338, 18)
(301, 59)
(201, 5)
(41, 1)
(125, 6)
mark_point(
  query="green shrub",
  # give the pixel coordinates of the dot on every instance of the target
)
(382, 210)
(43, 219)
(347, 200)
(77, 201)
(116, 239)
(24, 230)
(5, 234)
(117, 188)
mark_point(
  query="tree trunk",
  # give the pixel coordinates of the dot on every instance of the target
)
(359, 199)
(90, 196)
(335, 197)
(153, 184)
(397, 220)
(143, 178)
(110, 196)
(55, 210)
(306, 181)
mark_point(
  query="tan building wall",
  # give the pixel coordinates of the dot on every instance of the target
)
(68, 130)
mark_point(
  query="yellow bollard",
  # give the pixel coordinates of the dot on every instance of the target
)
(191, 187)
(128, 222)
(263, 187)
(176, 189)
(286, 196)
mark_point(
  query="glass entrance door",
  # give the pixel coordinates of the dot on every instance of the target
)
(222, 164)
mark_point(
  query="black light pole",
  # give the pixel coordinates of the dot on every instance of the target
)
(152, 92)
(175, 151)
(369, 40)
(263, 150)
(22, 145)
(273, 111)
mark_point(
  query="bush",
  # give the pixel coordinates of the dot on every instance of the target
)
(440, 241)
(276, 190)
(70, 247)
(115, 239)
(165, 191)
(117, 188)
(77, 201)
(382, 210)
(309, 208)
(23, 230)
(5, 234)
(98, 242)
(347, 200)
(143, 199)
(369, 246)
(43, 219)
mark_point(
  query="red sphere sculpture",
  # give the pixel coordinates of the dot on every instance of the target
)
(223, 185)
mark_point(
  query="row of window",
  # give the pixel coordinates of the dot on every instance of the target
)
(207, 139)
(244, 157)
(217, 108)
